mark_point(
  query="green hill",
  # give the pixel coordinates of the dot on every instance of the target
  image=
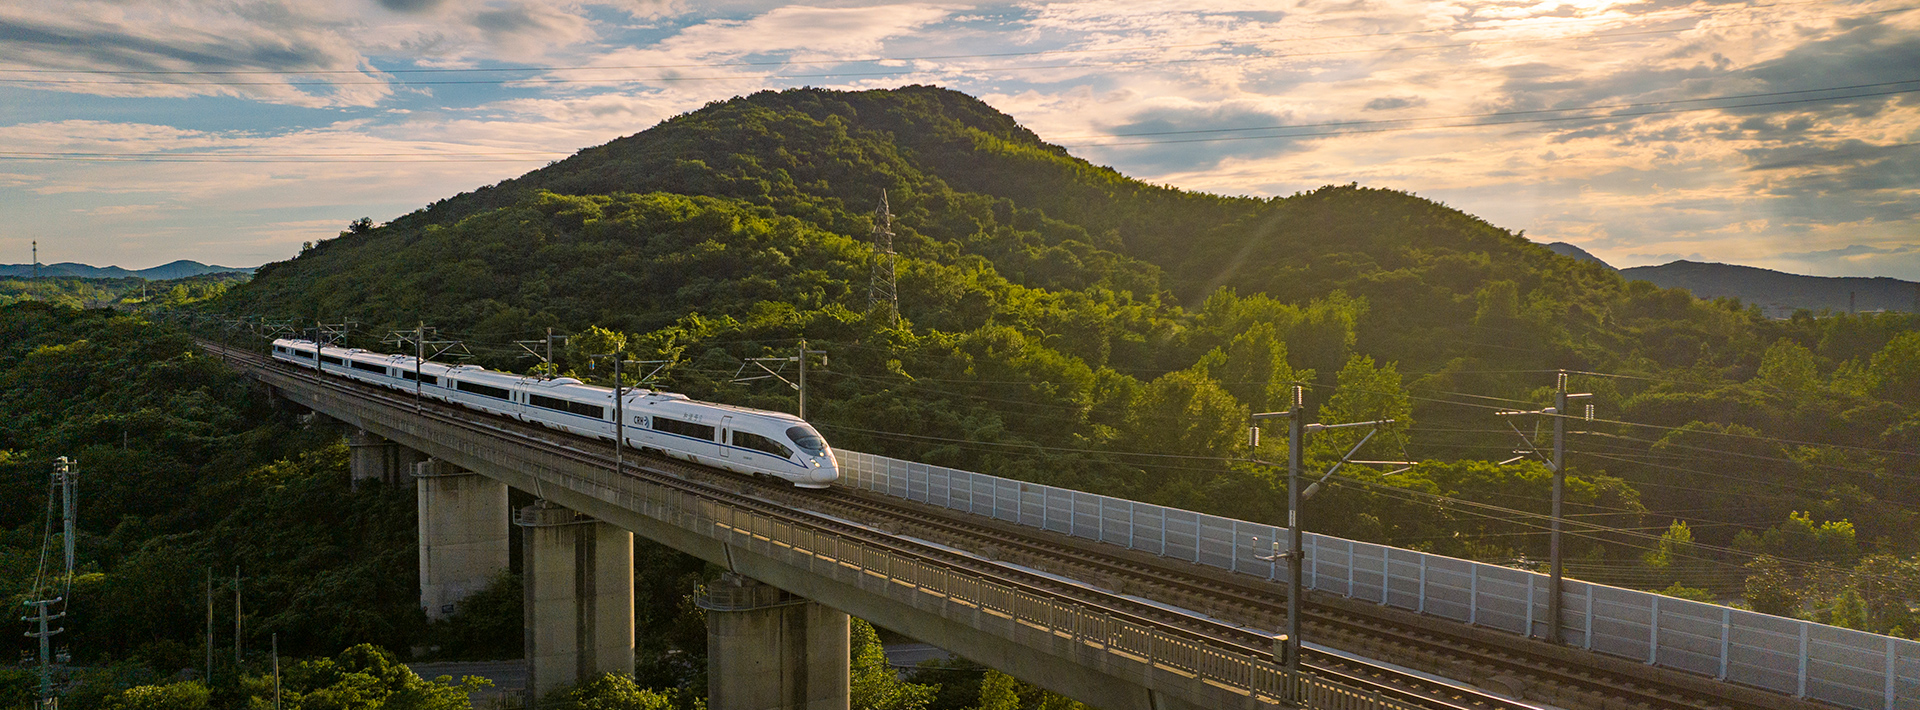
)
(1065, 323)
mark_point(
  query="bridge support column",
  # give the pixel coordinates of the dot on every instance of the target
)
(375, 458)
(579, 603)
(770, 650)
(463, 534)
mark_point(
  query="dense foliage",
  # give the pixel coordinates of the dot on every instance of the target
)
(180, 465)
(128, 291)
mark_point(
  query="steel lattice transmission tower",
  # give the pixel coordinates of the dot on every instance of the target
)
(882, 298)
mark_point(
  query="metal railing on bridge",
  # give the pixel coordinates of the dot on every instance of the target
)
(1840, 666)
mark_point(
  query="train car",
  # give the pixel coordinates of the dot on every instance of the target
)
(738, 439)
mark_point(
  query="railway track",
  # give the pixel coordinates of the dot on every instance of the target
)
(1245, 603)
(1044, 563)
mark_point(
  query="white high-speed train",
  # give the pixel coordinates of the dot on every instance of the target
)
(738, 439)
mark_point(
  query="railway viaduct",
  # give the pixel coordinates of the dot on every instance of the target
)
(795, 569)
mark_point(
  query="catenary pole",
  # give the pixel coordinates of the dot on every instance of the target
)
(1296, 539)
(1555, 591)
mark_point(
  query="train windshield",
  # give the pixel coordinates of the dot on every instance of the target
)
(808, 440)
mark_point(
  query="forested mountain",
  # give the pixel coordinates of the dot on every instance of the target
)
(1064, 323)
(1779, 294)
(174, 270)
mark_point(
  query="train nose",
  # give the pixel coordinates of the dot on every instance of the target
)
(825, 471)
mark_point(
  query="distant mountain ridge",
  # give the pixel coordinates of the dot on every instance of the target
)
(1779, 294)
(1565, 249)
(177, 270)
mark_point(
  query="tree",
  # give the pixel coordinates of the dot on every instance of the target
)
(1896, 369)
(1187, 413)
(1254, 369)
(360, 226)
(872, 683)
(1789, 368)
(999, 691)
(1771, 589)
(614, 691)
(185, 695)
(593, 348)
(1364, 393)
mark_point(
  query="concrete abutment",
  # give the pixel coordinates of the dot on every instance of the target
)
(770, 650)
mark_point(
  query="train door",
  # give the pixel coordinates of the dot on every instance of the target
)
(726, 437)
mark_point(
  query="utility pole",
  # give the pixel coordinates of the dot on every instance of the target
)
(67, 479)
(804, 352)
(801, 357)
(547, 359)
(1555, 590)
(209, 626)
(236, 616)
(42, 616)
(619, 413)
(48, 701)
(1297, 431)
(418, 339)
(276, 671)
(882, 296)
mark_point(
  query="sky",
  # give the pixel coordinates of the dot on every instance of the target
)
(1784, 135)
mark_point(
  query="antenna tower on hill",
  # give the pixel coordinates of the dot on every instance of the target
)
(881, 296)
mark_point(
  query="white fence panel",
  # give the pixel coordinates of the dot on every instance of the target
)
(1839, 666)
(1690, 636)
(1450, 589)
(1622, 622)
(1501, 598)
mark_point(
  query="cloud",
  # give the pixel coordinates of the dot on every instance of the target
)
(1390, 103)
(530, 28)
(412, 6)
(1177, 122)
(164, 43)
(1666, 258)
(1854, 250)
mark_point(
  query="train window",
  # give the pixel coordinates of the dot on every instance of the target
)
(675, 426)
(331, 360)
(358, 365)
(480, 389)
(562, 405)
(428, 379)
(750, 440)
(808, 440)
(308, 354)
(279, 348)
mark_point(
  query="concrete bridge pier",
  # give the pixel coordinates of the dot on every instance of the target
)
(770, 650)
(579, 591)
(463, 534)
(372, 457)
